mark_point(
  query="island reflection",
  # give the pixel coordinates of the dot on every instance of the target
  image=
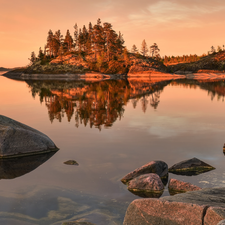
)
(101, 103)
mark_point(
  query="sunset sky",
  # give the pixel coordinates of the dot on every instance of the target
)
(177, 26)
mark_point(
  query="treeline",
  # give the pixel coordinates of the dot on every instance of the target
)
(98, 40)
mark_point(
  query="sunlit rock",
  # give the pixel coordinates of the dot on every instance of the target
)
(190, 167)
(17, 139)
(147, 185)
(158, 167)
(176, 186)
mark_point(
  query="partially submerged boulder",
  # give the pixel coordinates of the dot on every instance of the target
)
(176, 186)
(205, 206)
(147, 185)
(190, 167)
(17, 139)
(158, 167)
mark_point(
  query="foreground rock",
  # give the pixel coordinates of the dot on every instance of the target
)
(190, 167)
(147, 185)
(177, 186)
(17, 139)
(205, 206)
(158, 167)
(222, 222)
(77, 223)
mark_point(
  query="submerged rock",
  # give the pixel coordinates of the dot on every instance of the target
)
(190, 167)
(147, 185)
(205, 206)
(158, 167)
(177, 186)
(17, 139)
(71, 162)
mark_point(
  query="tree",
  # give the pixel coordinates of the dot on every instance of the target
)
(75, 36)
(154, 50)
(213, 50)
(68, 41)
(134, 49)
(32, 58)
(144, 48)
(40, 54)
(50, 42)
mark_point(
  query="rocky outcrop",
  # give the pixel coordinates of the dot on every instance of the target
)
(147, 185)
(190, 167)
(211, 62)
(17, 139)
(205, 207)
(176, 186)
(158, 167)
(139, 65)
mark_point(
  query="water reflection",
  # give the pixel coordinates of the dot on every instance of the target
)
(215, 88)
(16, 167)
(96, 103)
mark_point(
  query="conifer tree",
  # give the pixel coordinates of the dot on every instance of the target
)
(134, 49)
(40, 54)
(144, 48)
(32, 58)
(50, 43)
(154, 50)
(68, 41)
(76, 36)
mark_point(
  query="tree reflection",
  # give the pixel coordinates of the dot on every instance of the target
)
(97, 104)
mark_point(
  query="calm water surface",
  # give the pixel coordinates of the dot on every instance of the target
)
(110, 128)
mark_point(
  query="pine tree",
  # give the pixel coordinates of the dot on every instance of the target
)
(40, 54)
(144, 48)
(32, 58)
(76, 36)
(50, 43)
(68, 41)
(134, 49)
(154, 50)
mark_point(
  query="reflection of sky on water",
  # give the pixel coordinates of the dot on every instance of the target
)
(186, 124)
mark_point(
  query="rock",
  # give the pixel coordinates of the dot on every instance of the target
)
(155, 211)
(147, 185)
(158, 167)
(71, 162)
(214, 215)
(17, 139)
(205, 206)
(222, 222)
(177, 186)
(190, 167)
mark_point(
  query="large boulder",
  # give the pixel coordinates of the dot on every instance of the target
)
(147, 185)
(205, 206)
(190, 167)
(158, 167)
(176, 186)
(17, 139)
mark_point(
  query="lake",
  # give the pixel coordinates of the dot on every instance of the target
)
(110, 128)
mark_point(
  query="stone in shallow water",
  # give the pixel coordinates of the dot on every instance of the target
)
(17, 139)
(158, 167)
(176, 186)
(71, 162)
(147, 185)
(206, 206)
(190, 167)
